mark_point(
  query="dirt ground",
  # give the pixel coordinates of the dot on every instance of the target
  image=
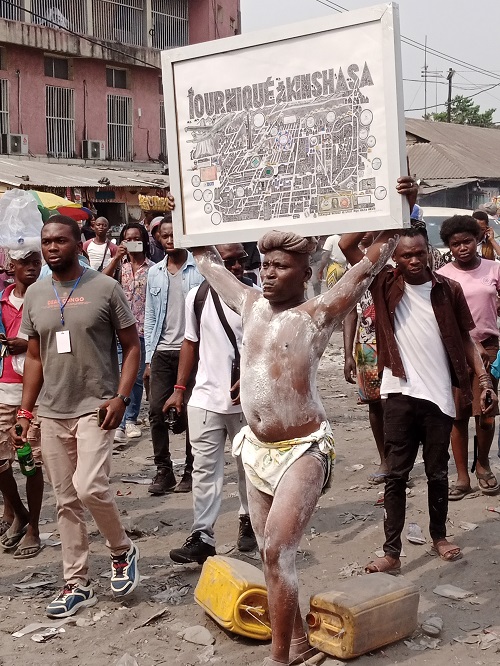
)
(345, 531)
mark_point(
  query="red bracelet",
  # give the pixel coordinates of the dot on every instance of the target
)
(179, 387)
(25, 414)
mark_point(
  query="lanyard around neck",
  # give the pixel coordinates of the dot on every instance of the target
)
(61, 304)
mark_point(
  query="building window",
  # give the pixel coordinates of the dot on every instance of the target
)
(3, 57)
(163, 134)
(119, 21)
(170, 24)
(4, 107)
(60, 119)
(62, 14)
(232, 24)
(160, 85)
(116, 78)
(120, 145)
(56, 68)
(220, 14)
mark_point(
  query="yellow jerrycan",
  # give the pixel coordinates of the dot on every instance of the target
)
(362, 614)
(234, 594)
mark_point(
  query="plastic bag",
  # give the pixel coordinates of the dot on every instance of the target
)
(20, 221)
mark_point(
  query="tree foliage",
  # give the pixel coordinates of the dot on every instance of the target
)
(465, 112)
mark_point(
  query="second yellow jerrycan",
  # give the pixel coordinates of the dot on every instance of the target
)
(362, 614)
(234, 594)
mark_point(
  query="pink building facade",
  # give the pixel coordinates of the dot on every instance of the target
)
(95, 95)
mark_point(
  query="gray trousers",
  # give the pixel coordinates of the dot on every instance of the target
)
(208, 432)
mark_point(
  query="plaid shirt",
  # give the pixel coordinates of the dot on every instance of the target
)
(134, 287)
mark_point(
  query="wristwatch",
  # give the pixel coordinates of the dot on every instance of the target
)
(124, 398)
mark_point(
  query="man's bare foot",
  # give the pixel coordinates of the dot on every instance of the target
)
(386, 564)
(28, 547)
(447, 551)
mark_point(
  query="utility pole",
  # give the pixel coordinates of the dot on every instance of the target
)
(425, 78)
(451, 73)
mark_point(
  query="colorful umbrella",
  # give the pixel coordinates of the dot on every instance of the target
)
(50, 204)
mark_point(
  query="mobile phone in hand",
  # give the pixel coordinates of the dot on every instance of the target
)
(134, 246)
(101, 415)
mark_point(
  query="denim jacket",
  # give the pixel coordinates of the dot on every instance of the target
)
(157, 299)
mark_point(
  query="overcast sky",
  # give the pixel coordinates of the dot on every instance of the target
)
(466, 31)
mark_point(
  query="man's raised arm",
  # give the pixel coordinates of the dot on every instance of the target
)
(230, 289)
(340, 300)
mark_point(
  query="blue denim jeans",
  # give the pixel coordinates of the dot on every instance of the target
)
(132, 411)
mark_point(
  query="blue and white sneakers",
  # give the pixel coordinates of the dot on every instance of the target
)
(71, 599)
(124, 572)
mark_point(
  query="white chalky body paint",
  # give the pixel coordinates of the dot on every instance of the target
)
(281, 350)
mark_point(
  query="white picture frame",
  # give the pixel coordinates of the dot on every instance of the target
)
(297, 128)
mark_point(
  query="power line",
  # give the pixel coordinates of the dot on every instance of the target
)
(77, 34)
(411, 42)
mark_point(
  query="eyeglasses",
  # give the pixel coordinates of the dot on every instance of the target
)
(232, 261)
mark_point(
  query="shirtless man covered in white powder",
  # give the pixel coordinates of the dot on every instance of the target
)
(287, 447)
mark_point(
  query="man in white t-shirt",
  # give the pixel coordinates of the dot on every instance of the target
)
(214, 409)
(99, 249)
(333, 260)
(424, 347)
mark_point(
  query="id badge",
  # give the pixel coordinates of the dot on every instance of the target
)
(63, 342)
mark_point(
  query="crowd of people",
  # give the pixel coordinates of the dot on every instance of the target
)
(224, 350)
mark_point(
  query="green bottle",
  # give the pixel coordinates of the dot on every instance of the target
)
(25, 456)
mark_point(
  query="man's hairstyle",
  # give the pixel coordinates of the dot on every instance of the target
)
(413, 232)
(166, 220)
(481, 215)
(459, 224)
(67, 222)
(286, 241)
(144, 236)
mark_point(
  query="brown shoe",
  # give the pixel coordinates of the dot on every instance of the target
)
(185, 485)
(163, 482)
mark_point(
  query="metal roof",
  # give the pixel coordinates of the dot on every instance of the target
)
(449, 150)
(32, 174)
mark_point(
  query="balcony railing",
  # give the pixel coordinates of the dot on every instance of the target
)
(159, 24)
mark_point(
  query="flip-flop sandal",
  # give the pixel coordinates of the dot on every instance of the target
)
(382, 565)
(11, 541)
(485, 477)
(452, 554)
(21, 553)
(4, 526)
(377, 478)
(456, 493)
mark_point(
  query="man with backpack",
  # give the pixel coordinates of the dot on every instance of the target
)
(213, 338)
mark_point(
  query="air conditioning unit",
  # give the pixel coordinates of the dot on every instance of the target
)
(14, 144)
(93, 150)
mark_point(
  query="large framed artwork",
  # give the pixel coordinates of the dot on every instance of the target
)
(298, 128)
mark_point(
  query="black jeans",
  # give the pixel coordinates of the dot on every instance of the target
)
(164, 366)
(407, 422)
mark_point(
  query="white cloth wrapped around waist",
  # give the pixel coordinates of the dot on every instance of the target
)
(323, 437)
(265, 463)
